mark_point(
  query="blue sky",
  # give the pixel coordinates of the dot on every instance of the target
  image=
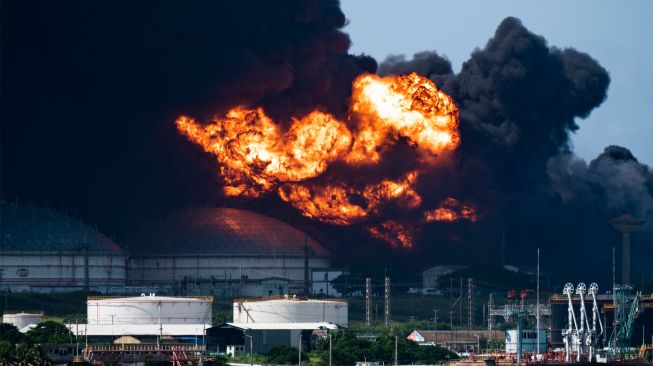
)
(619, 34)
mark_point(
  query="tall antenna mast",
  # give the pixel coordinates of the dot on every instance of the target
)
(387, 301)
(368, 301)
(470, 304)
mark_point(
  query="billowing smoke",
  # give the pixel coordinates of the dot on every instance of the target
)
(519, 100)
(91, 91)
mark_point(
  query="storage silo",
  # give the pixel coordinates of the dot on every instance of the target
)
(45, 251)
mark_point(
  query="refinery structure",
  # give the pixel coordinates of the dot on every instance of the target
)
(158, 290)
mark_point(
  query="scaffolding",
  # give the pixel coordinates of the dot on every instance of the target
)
(625, 312)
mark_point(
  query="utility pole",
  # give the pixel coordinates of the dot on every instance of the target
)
(330, 348)
(451, 324)
(460, 305)
(435, 321)
(251, 351)
(300, 349)
(537, 313)
(396, 351)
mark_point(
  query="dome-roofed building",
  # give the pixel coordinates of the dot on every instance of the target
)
(221, 251)
(44, 251)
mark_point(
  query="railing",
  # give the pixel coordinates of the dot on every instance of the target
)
(89, 298)
(139, 347)
(287, 297)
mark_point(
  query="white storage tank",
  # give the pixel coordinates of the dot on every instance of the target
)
(291, 310)
(21, 320)
(150, 310)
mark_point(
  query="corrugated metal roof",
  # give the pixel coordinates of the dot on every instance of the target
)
(25, 228)
(138, 329)
(222, 231)
(284, 326)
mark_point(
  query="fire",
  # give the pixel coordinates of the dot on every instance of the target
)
(409, 106)
(451, 210)
(256, 156)
(391, 231)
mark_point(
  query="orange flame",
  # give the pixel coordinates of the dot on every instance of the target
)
(394, 233)
(256, 156)
(451, 210)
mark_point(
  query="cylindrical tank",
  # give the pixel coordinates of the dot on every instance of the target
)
(21, 320)
(291, 311)
(150, 310)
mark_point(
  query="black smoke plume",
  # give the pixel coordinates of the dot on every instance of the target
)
(519, 100)
(90, 91)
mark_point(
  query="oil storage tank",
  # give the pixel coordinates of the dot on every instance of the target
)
(224, 252)
(46, 251)
(22, 320)
(291, 310)
(148, 309)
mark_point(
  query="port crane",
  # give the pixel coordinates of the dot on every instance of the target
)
(579, 337)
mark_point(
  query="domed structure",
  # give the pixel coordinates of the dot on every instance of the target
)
(223, 231)
(44, 251)
(222, 251)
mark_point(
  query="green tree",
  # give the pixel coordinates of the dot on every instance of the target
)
(283, 354)
(30, 355)
(7, 353)
(49, 331)
(9, 333)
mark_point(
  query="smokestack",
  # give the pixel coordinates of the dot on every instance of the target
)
(626, 224)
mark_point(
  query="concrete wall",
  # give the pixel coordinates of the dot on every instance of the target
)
(56, 271)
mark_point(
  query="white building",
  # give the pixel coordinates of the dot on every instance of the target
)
(46, 251)
(528, 342)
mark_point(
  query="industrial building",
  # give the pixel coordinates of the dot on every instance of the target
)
(529, 340)
(45, 251)
(289, 320)
(207, 251)
(455, 340)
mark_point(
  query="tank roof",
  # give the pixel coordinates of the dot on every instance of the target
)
(220, 231)
(31, 229)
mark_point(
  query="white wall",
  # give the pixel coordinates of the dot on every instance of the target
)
(52, 271)
(291, 311)
(148, 310)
